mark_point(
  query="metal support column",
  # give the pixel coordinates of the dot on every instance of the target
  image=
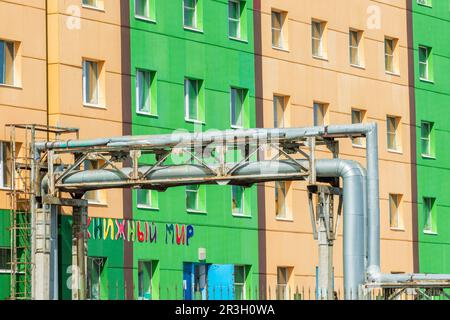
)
(79, 253)
(324, 230)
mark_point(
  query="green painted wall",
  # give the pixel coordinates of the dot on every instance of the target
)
(5, 241)
(112, 283)
(431, 27)
(174, 53)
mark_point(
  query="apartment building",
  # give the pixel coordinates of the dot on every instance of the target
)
(322, 63)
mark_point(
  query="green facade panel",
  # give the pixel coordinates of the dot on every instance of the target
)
(431, 29)
(220, 63)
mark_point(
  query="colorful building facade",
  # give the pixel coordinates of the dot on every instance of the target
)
(113, 68)
(431, 35)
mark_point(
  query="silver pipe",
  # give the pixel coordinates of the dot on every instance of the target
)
(351, 172)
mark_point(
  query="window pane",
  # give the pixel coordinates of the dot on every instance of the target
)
(142, 8)
(317, 38)
(423, 54)
(392, 133)
(7, 62)
(280, 199)
(278, 108)
(91, 82)
(144, 197)
(319, 114)
(393, 210)
(192, 197)
(237, 101)
(239, 282)
(237, 199)
(145, 279)
(191, 92)
(277, 22)
(5, 258)
(143, 88)
(357, 118)
(189, 13)
(233, 10)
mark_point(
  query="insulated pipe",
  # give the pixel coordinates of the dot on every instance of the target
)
(368, 130)
(352, 174)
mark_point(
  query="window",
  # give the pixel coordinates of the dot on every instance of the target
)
(196, 198)
(234, 18)
(96, 4)
(425, 138)
(146, 92)
(430, 225)
(5, 260)
(280, 200)
(424, 2)
(147, 199)
(145, 276)
(390, 45)
(7, 62)
(320, 113)
(90, 3)
(395, 219)
(95, 269)
(238, 204)
(5, 170)
(317, 32)
(190, 13)
(239, 282)
(144, 9)
(282, 283)
(354, 41)
(392, 133)
(279, 106)
(90, 82)
(278, 19)
(192, 103)
(357, 117)
(237, 107)
(424, 65)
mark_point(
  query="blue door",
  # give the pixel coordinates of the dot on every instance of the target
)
(221, 282)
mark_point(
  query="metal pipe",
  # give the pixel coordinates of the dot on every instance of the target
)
(351, 172)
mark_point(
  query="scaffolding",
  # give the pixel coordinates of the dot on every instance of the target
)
(23, 220)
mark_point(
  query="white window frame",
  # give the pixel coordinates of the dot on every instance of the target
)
(241, 93)
(424, 63)
(428, 206)
(147, 9)
(275, 111)
(396, 199)
(426, 139)
(389, 56)
(187, 84)
(243, 284)
(143, 262)
(242, 212)
(143, 72)
(284, 188)
(195, 19)
(3, 165)
(285, 270)
(357, 142)
(319, 107)
(355, 46)
(319, 54)
(230, 19)
(197, 193)
(7, 43)
(149, 197)
(85, 79)
(396, 147)
(280, 30)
